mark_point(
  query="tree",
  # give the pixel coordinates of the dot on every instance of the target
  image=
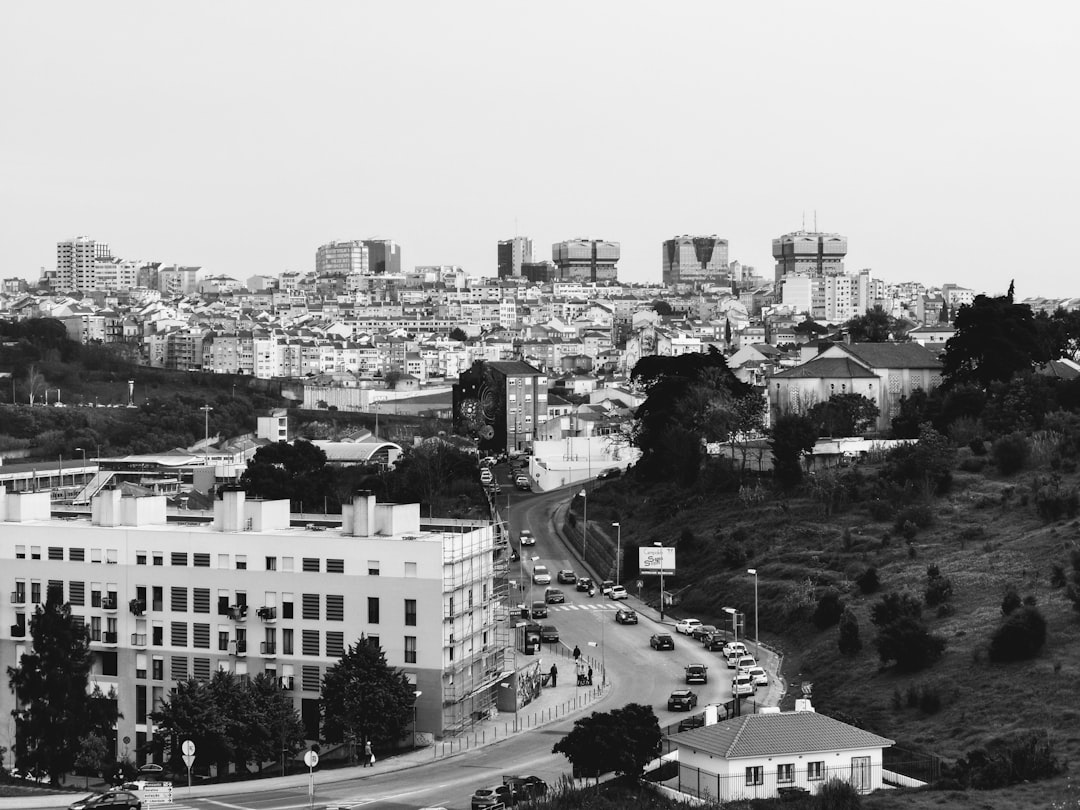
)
(297, 472)
(844, 415)
(995, 338)
(926, 465)
(903, 637)
(392, 378)
(457, 333)
(792, 435)
(275, 726)
(830, 608)
(56, 709)
(190, 713)
(363, 699)
(95, 756)
(662, 308)
(1021, 635)
(876, 326)
(849, 642)
(622, 741)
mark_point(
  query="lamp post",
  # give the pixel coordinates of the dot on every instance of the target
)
(618, 554)
(585, 523)
(375, 404)
(757, 643)
(83, 451)
(416, 694)
(206, 433)
(734, 621)
(661, 546)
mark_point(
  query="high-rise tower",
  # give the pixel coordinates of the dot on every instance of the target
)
(513, 253)
(695, 260)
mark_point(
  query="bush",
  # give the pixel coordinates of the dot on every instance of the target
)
(978, 447)
(849, 642)
(1052, 501)
(1011, 601)
(1024, 756)
(837, 794)
(1011, 453)
(973, 465)
(829, 609)
(1057, 576)
(881, 510)
(919, 515)
(939, 590)
(868, 581)
(1021, 635)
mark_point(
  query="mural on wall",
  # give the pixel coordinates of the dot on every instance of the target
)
(480, 407)
(529, 683)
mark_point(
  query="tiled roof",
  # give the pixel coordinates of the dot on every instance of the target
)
(780, 733)
(514, 368)
(826, 367)
(892, 355)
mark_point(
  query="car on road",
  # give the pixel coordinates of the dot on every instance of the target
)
(583, 583)
(661, 641)
(523, 483)
(553, 596)
(525, 787)
(625, 616)
(703, 630)
(694, 721)
(742, 684)
(567, 577)
(541, 575)
(549, 634)
(759, 676)
(488, 461)
(697, 673)
(525, 537)
(493, 796)
(714, 643)
(742, 662)
(618, 592)
(113, 800)
(686, 626)
(486, 477)
(539, 610)
(735, 648)
(681, 700)
(606, 586)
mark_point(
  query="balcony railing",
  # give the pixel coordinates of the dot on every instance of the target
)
(137, 607)
(138, 639)
(238, 647)
(110, 638)
(267, 614)
(287, 682)
(268, 648)
(18, 631)
(109, 602)
(18, 597)
(238, 612)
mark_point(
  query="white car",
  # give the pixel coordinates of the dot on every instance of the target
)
(541, 575)
(745, 662)
(618, 592)
(758, 676)
(686, 626)
(742, 684)
(734, 648)
(526, 538)
(486, 477)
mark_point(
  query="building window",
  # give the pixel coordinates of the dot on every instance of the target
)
(410, 649)
(310, 602)
(373, 568)
(309, 642)
(201, 560)
(410, 612)
(815, 771)
(311, 564)
(157, 635)
(56, 553)
(35, 593)
(223, 640)
(179, 634)
(755, 775)
(785, 772)
(335, 644)
(286, 563)
(179, 600)
(200, 635)
(140, 558)
(159, 558)
(335, 566)
(286, 606)
(287, 642)
(373, 610)
(200, 598)
(410, 570)
(178, 558)
(108, 663)
(271, 563)
(157, 601)
(335, 607)
(158, 672)
(241, 562)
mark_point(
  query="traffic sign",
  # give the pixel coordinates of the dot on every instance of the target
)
(189, 760)
(188, 747)
(311, 759)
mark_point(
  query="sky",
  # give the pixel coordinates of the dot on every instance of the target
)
(939, 138)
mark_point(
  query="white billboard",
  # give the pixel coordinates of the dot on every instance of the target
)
(654, 559)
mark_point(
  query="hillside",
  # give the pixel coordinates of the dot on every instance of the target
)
(985, 536)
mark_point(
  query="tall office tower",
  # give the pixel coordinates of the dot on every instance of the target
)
(384, 256)
(513, 253)
(586, 259)
(341, 258)
(76, 263)
(815, 254)
(695, 260)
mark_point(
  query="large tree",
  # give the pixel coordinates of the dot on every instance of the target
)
(364, 699)
(296, 471)
(792, 435)
(56, 709)
(844, 415)
(190, 713)
(622, 741)
(875, 326)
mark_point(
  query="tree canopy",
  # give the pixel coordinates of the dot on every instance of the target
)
(296, 472)
(844, 415)
(875, 326)
(995, 338)
(56, 709)
(622, 741)
(792, 435)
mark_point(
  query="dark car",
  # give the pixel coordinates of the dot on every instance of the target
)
(625, 616)
(549, 634)
(714, 643)
(113, 800)
(583, 583)
(699, 632)
(697, 673)
(682, 700)
(567, 577)
(693, 721)
(525, 787)
(661, 641)
(553, 596)
(539, 610)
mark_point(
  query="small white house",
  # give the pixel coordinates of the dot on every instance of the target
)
(758, 756)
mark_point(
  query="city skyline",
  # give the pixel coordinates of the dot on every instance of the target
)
(940, 152)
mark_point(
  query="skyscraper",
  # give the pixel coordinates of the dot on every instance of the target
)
(76, 263)
(384, 256)
(513, 253)
(809, 252)
(341, 258)
(695, 260)
(586, 259)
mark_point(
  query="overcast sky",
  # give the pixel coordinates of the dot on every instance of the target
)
(939, 137)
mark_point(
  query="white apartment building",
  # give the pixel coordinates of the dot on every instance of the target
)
(249, 593)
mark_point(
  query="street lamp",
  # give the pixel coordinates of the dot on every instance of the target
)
(83, 451)
(206, 430)
(618, 555)
(753, 571)
(734, 621)
(585, 522)
(416, 694)
(661, 545)
(603, 658)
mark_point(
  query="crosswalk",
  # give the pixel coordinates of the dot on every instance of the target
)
(587, 606)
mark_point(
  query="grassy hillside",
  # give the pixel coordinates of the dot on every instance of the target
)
(985, 535)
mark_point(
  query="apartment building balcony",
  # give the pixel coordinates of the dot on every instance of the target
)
(110, 602)
(18, 631)
(18, 597)
(238, 647)
(267, 614)
(137, 607)
(109, 638)
(138, 639)
(237, 613)
(268, 648)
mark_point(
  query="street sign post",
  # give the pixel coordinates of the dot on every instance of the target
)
(311, 759)
(188, 747)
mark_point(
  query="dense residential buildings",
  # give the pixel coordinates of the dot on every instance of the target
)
(695, 260)
(249, 593)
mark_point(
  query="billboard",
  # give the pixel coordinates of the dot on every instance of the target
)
(654, 559)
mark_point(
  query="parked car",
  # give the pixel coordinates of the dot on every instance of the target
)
(734, 648)
(703, 630)
(113, 800)
(541, 575)
(606, 586)
(553, 596)
(697, 673)
(661, 641)
(486, 477)
(693, 721)
(744, 662)
(493, 796)
(539, 610)
(758, 675)
(742, 684)
(526, 538)
(714, 643)
(625, 616)
(549, 634)
(567, 577)
(584, 583)
(686, 626)
(523, 483)
(525, 787)
(681, 700)
(618, 592)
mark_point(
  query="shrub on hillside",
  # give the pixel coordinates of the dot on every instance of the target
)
(868, 581)
(919, 515)
(829, 609)
(1021, 635)
(978, 447)
(908, 642)
(837, 794)
(973, 464)
(939, 589)
(1010, 453)
(1011, 601)
(849, 642)
(1025, 756)
(881, 510)
(1053, 501)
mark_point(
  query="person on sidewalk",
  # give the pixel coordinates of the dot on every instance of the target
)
(369, 756)
(553, 676)
(577, 652)
(590, 676)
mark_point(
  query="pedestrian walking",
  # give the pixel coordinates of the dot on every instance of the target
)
(369, 755)
(590, 676)
(554, 675)
(577, 652)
